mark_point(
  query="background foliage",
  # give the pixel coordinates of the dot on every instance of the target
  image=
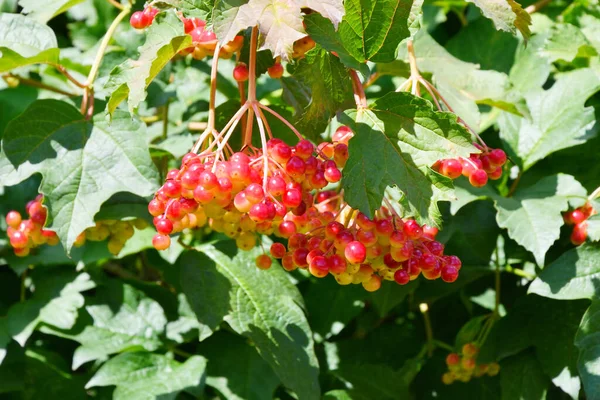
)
(77, 322)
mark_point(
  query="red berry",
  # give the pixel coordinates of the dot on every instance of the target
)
(19, 240)
(412, 229)
(355, 252)
(342, 134)
(161, 242)
(478, 178)
(277, 250)
(575, 217)
(497, 157)
(451, 168)
(337, 264)
(452, 359)
(138, 20)
(241, 73)
(164, 226)
(275, 71)
(578, 236)
(263, 261)
(401, 277)
(319, 267)
(449, 273)
(13, 219)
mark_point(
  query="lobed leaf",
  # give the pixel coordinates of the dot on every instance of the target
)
(522, 377)
(141, 375)
(129, 80)
(45, 10)
(82, 163)
(396, 139)
(574, 275)
(588, 342)
(507, 15)
(533, 216)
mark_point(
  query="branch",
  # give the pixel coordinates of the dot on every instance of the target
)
(39, 85)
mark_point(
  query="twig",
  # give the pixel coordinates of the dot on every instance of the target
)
(535, 7)
(39, 85)
(359, 93)
(424, 308)
(116, 4)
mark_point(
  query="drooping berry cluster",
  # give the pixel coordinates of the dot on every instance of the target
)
(25, 235)
(204, 41)
(462, 367)
(360, 250)
(246, 195)
(478, 167)
(578, 218)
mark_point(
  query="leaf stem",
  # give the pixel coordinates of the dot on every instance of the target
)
(116, 4)
(424, 308)
(251, 88)
(39, 85)
(104, 44)
(595, 194)
(213, 89)
(513, 186)
(443, 345)
(285, 121)
(414, 71)
(497, 284)
(519, 272)
(63, 70)
(371, 80)
(537, 6)
(359, 92)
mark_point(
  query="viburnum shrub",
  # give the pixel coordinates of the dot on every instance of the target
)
(207, 175)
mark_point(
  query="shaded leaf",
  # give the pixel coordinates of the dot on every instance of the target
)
(395, 141)
(522, 378)
(588, 342)
(82, 163)
(574, 275)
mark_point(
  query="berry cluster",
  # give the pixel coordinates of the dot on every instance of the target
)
(283, 193)
(302, 46)
(246, 195)
(478, 167)
(28, 234)
(578, 218)
(204, 41)
(464, 367)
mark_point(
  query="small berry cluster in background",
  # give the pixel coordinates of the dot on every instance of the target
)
(462, 367)
(27, 234)
(578, 218)
(478, 168)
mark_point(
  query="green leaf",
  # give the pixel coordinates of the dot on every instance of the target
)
(533, 216)
(559, 118)
(273, 320)
(469, 331)
(45, 10)
(530, 69)
(134, 323)
(588, 342)
(333, 10)
(55, 302)
(4, 338)
(24, 41)
(378, 380)
(522, 378)
(141, 375)
(372, 30)
(331, 307)
(395, 141)
(593, 228)
(390, 295)
(322, 31)
(574, 275)
(83, 163)
(507, 15)
(566, 42)
(206, 290)
(164, 39)
(236, 370)
(187, 324)
(324, 87)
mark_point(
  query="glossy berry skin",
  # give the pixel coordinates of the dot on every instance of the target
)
(13, 219)
(497, 157)
(277, 250)
(355, 252)
(241, 73)
(575, 217)
(478, 178)
(451, 168)
(138, 20)
(449, 274)
(401, 277)
(18, 240)
(412, 229)
(275, 71)
(164, 226)
(161, 242)
(579, 234)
